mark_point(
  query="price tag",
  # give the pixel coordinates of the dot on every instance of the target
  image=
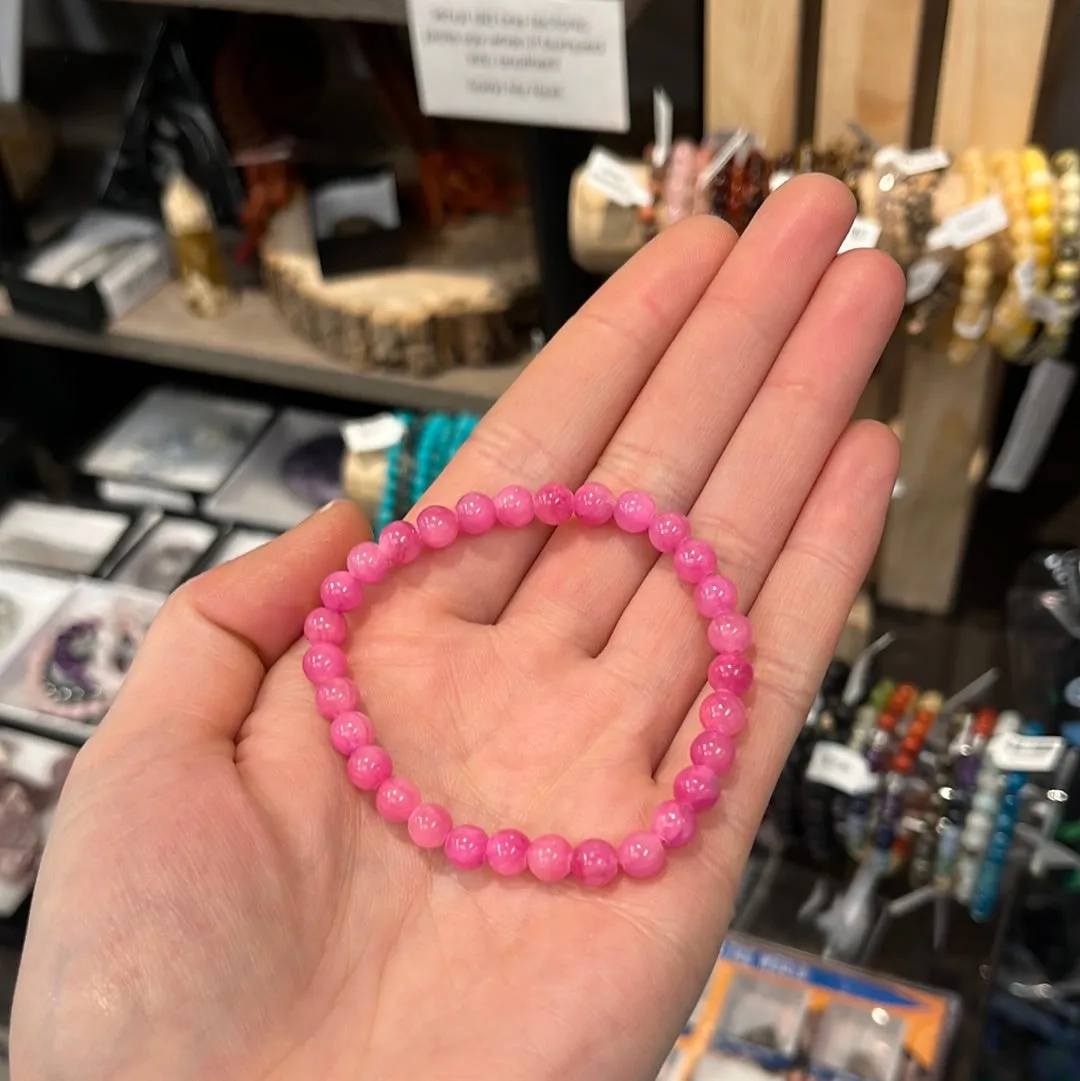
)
(1013, 753)
(842, 768)
(977, 222)
(862, 234)
(663, 122)
(1024, 277)
(913, 162)
(373, 433)
(1043, 309)
(973, 331)
(923, 276)
(779, 177)
(721, 158)
(608, 175)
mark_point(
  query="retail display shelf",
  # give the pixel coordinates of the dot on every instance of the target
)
(252, 343)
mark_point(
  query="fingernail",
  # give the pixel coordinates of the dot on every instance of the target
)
(332, 503)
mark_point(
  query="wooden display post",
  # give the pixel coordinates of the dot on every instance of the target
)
(888, 66)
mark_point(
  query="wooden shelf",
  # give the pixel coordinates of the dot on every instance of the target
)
(371, 11)
(252, 343)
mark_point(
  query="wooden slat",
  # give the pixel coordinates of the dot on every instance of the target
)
(868, 55)
(751, 62)
(991, 72)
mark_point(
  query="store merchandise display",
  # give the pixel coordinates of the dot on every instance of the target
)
(166, 554)
(59, 537)
(238, 543)
(593, 862)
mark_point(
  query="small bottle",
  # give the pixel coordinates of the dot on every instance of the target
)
(190, 225)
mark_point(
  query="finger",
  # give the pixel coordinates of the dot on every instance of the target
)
(755, 494)
(556, 418)
(199, 670)
(688, 410)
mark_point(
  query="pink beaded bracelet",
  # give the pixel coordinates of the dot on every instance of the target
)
(550, 858)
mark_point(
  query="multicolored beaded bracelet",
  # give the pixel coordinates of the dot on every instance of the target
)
(550, 858)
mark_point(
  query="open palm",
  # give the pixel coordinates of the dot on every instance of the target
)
(216, 900)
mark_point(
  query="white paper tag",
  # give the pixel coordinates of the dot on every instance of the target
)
(1043, 309)
(663, 124)
(913, 162)
(779, 178)
(608, 175)
(841, 767)
(923, 276)
(968, 226)
(1024, 278)
(1037, 414)
(862, 234)
(544, 62)
(373, 433)
(1013, 753)
(973, 331)
(721, 158)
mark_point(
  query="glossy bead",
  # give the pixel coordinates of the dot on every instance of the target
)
(554, 504)
(729, 633)
(465, 847)
(549, 857)
(723, 712)
(668, 530)
(514, 506)
(715, 595)
(642, 855)
(694, 559)
(1038, 202)
(731, 672)
(396, 799)
(336, 696)
(713, 750)
(697, 787)
(429, 824)
(368, 563)
(341, 592)
(476, 513)
(634, 512)
(594, 863)
(368, 767)
(437, 526)
(507, 852)
(674, 823)
(324, 661)
(351, 730)
(400, 543)
(594, 504)
(325, 625)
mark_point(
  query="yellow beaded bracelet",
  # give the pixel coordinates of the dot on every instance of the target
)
(1011, 328)
(972, 315)
(1063, 287)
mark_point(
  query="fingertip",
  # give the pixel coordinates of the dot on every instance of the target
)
(816, 194)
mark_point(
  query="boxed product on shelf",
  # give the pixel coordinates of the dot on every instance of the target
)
(166, 554)
(64, 678)
(294, 469)
(172, 446)
(27, 599)
(58, 536)
(238, 542)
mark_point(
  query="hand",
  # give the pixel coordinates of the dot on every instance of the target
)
(216, 900)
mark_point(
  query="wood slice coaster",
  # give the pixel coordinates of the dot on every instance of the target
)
(467, 295)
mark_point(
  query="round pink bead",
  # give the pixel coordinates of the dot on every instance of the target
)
(396, 799)
(641, 855)
(437, 526)
(669, 530)
(594, 505)
(731, 672)
(368, 767)
(341, 592)
(730, 633)
(476, 513)
(714, 595)
(724, 712)
(400, 542)
(368, 563)
(507, 852)
(697, 787)
(465, 847)
(694, 559)
(554, 504)
(594, 863)
(324, 661)
(325, 625)
(634, 512)
(549, 857)
(713, 750)
(351, 730)
(336, 696)
(429, 824)
(514, 506)
(674, 823)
